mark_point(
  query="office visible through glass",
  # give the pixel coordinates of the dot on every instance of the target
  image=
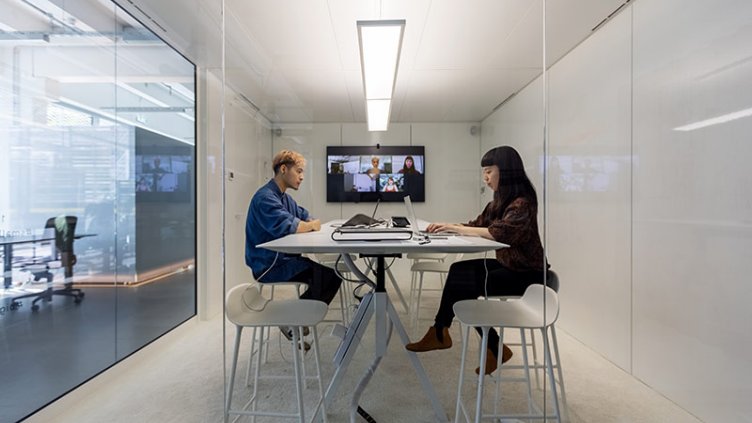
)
(97, 195)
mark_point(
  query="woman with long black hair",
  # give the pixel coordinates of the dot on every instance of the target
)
(510, 218)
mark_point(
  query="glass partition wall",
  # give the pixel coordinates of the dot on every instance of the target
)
(97, 194)
(521, 121)
(269, 104)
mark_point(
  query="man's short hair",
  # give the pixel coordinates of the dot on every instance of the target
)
(287, 157)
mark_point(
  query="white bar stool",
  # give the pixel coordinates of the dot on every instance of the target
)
(422, 266)
(537, 309)
(422, 257)
(426, 258)
(264, 335)
(552, 281)
(246, 307)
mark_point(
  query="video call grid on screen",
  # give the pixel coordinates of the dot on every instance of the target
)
(162, 174)
(370, 173)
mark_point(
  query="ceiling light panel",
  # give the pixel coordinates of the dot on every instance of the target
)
(380, 48)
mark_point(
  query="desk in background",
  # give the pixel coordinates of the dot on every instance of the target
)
(9, 242)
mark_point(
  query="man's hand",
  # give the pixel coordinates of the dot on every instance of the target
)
(312, 225)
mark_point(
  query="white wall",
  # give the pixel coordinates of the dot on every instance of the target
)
(247, 151)
(649, 227)
(692, 205)
(451, 167)
(452, 170)
(247, 155)
(589, 188)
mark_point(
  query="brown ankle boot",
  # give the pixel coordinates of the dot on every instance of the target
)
(431, 342)
(506, 355)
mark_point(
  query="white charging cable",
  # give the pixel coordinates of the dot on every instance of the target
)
(266, 301)
(485, 266)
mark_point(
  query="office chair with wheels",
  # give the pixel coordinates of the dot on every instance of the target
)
(61, 256)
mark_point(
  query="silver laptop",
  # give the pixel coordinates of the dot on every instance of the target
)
(414, 222)
(411, 216)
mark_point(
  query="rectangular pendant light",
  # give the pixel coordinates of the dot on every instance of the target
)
(378, 114)
(380, 45)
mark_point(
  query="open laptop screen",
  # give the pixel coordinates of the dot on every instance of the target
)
(411, 215)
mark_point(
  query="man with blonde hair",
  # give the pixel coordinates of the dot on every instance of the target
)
(273, 214)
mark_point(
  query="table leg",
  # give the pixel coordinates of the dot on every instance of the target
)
(379, 303)
(399, 291)
(8, 265)
(349, 345)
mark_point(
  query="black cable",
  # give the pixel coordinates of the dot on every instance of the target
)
(336, 270)
(390, 263)
(365, 415)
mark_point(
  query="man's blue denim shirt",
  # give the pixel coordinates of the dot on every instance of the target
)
(272, 214)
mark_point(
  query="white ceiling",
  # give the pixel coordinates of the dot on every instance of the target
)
(297, 61)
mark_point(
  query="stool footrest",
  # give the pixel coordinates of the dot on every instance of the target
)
(263, 413)
(519, 416)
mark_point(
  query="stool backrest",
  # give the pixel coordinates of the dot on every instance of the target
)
(538, 297)
(552, 280)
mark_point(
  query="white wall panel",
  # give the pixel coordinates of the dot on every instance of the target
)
(311, 141)
(589, 189)
(247, 152)
(689, 209)
(692, 207)
(452, 171)
(451, 159)
(519, 123)
(209, 183)
(248, 157)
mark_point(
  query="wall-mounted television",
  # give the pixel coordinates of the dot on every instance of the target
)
(163, 174)
(371, 173)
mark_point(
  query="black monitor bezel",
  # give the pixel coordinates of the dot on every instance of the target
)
(334, 194)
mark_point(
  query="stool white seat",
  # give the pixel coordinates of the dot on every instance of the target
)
(537, 309)
(246, 307)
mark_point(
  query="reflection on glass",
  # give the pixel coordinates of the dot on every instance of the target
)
(97, 133)
(584, 173)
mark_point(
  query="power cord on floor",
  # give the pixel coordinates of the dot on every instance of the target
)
(365, 415)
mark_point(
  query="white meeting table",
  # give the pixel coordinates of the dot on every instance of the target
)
(380, 307)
